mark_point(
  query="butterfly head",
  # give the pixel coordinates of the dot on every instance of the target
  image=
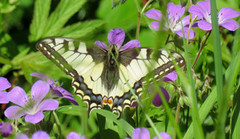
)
(113, 54)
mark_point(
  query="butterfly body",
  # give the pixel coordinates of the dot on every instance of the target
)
(107, 76)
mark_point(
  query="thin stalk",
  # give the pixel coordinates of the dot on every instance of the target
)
(140, 17)
(167, 40)
(176, 119)
(153, 126)
(168, 110)
(57, 123)
(137, 115)
(191, 92)
(1, 22)
(202, 44)
(220, 126)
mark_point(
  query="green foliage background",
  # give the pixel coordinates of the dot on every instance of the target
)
(25, 22)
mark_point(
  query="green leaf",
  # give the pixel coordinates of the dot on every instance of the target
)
(18, 59)
(236, 133)
(236, 116)
(124, 16)
(208, 104)
(72, 110)
(63, 12)
(203, 112)
(122, 123)
(4, 60)
(116, 2)
(190, 89)
(39, 63)
(27, 71)
(40, 18)
(7, 6)
(81, 29)
(236, 42)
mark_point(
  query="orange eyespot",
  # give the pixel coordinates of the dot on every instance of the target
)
(105, 100)
(110, 101)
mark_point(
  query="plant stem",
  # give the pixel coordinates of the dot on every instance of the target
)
(202, 44)
(176, 120)
(57, 123)
(140, 17)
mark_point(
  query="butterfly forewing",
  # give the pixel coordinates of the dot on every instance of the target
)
(98, 83)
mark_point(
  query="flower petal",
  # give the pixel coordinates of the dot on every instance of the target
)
(154, 25)
(73, 135)
(101, 44)
(205, 6)
(131, 44)
(164, 135)
(185, 20)
(154, 14)
(37, 117)
(175, 11)
(116, 36)
(180, 33)
(170, 77)
(157, 101)
(18, 96)
(134, 104)
(71, 99)
(204, 25)
(21, 136)
(4, 84)
(42, 77)
(231, 25)
(196, 11)
(227, 13)
(40, 135)
(83, 137)
(141, 133)
(3, 97)
(48, 104)
(63, 91)
(14, 112)
(203, 10)
(5, 129)
(39, 91)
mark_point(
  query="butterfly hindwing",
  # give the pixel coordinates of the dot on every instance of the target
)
(141, 61)
(100, 83)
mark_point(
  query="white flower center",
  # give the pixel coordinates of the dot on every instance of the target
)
(31, 108)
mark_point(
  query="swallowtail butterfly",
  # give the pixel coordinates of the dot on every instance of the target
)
(106, 77)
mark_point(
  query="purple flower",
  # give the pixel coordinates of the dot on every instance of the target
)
(56, 90)
(40, 135)
(157, 101)
(37, 135)
(32, 107)
(21, 136)
(156, 15)
(74, 135)
(5, 129)
(116, 37)
(4, 84)
(143, 133)
(175, 20)
(164, 135)
(225, 15)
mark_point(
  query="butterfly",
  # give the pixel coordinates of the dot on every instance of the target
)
(107, 76)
